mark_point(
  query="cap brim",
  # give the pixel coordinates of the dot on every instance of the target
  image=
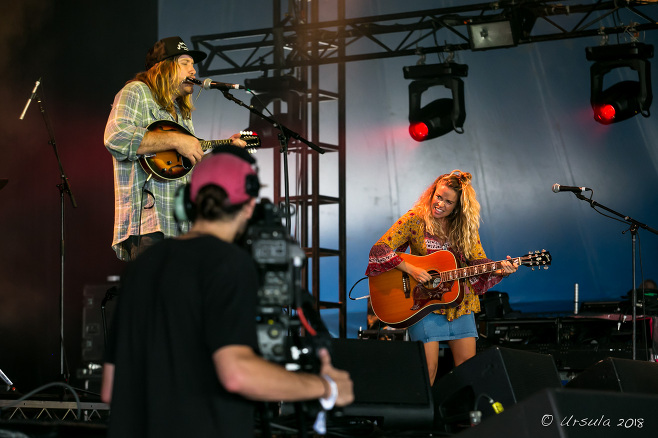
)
(197, 55)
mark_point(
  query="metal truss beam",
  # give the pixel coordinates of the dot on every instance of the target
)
(54, 410)
(285, 46)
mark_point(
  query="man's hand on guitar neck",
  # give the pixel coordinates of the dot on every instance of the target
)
(236, 140)
(186, 145)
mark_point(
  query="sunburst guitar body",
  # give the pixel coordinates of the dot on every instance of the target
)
(170, 165)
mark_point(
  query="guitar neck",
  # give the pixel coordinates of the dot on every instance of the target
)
(210, 144)
(472, 271)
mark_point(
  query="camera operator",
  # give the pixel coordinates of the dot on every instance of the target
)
(182, 356)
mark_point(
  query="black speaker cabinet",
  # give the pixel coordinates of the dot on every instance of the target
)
(391, 383)
(621, 375)
(494, 305)
(497, 374)
(573, 413)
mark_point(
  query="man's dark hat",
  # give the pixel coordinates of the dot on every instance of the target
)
(168, 48)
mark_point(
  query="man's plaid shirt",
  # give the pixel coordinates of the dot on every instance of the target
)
(133, 110)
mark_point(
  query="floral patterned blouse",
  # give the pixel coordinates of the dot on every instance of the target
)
(409, 232)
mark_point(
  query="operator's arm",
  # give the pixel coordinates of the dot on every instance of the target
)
(243, 372)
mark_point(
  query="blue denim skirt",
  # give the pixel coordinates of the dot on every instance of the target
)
(436, 327)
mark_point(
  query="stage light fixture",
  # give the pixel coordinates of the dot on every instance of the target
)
(485, 35)
(627, 98)
(286, 89)
(440, 116)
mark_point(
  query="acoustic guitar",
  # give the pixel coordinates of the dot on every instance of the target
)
(170, 165)
(400, 301)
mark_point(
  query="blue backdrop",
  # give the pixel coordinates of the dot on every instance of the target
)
(529, 125)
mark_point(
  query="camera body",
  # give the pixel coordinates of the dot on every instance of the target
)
(279, 260)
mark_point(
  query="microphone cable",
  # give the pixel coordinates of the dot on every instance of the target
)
(475, 416)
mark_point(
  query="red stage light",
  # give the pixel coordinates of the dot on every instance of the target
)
(605, 114)
(418, 131)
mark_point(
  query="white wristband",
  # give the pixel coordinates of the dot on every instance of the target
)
(329, 402)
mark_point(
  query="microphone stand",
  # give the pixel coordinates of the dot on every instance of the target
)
(634, 225)
(284, 135)
(64, 187)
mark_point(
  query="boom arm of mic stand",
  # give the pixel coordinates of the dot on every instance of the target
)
(283, 138)
(628, 219)
(285, 130)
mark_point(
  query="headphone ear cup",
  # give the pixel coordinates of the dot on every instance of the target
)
(252, 185)
(184, 208)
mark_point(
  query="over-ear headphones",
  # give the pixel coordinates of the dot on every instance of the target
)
(252, 185)
(184, 208)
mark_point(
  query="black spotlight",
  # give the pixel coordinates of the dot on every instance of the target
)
(286, 90)
(442, 115)
(624, 99)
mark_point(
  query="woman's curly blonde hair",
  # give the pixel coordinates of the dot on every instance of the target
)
(162, 79)
(464, 221)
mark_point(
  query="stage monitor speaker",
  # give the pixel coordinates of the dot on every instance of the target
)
(391, 383)
(621, 375)
(573, 413)
(497, 374)
(494, 305)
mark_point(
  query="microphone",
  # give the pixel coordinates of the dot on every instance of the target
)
(558, 188)
(34, 94)
(208, 84)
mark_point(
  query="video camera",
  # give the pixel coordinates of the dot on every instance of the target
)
(281, 300)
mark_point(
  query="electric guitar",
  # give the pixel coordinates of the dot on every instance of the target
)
(170, 165)
(400, 301)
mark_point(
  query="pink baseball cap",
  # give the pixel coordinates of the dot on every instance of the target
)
(229, 170)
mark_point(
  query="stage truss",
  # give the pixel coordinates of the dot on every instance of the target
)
(299, 43)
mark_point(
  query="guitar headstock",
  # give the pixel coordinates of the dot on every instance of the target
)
(540, 259)
(252, 139)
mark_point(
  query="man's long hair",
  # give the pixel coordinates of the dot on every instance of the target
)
(162, 80)
(464, 221)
